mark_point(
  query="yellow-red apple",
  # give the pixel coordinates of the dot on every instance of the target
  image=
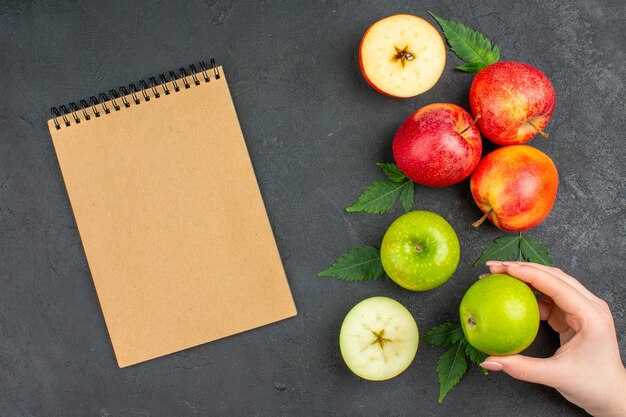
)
(438, 145)
(402, 55)
(515, 187)
(515, 102)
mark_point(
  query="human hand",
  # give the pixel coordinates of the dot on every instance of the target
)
(587, 369)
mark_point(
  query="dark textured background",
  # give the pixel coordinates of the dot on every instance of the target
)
(314, 131)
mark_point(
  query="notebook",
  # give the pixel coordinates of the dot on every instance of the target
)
(169, 212)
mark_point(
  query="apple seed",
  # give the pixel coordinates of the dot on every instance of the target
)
(403, 55)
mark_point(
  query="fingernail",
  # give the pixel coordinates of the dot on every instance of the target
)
(510, 264)
(493, 263)
(481, 276)
(492, 366)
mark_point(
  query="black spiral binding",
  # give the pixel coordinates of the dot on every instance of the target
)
(159, 87)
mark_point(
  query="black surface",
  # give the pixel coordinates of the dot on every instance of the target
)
(314, 131)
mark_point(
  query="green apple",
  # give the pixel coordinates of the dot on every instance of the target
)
(499, 315)
(378, 339)
(420, 250)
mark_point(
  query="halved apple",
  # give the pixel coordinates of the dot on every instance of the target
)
(378, 338)
(402, 55)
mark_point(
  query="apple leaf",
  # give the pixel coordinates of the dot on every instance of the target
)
(520, 247)
(451, 367)
(501, 249)
(360, 264)
(379, 197)
(533, 251)
(469, 45)
(475, 67)
(444, 334)
(392, 171)
(521, 257)
(474, 355)
(407, 196)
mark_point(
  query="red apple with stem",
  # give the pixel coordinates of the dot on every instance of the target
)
(515, 101)
(515, 187)
(438, 145)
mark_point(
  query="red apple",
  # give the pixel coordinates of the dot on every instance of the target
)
(515, 102)
(515, 186)
(438, 145)
(402, 55)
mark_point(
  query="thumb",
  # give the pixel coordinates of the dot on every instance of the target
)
(524, 368)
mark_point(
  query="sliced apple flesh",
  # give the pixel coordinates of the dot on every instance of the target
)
(402, 55)
(378, 339)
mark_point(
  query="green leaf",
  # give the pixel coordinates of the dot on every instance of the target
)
(470, 67)
(444, 334)
(406, 196)
(533, 251)
(451, 366)
(521, 257)
(360, 264)
(501, 249)
(378, 197)
(469, 45)
(474, 355)
(392, 171)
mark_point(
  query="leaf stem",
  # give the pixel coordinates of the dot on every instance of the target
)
(482, 219)
(520, 256)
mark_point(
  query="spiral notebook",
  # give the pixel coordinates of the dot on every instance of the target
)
(170, 215)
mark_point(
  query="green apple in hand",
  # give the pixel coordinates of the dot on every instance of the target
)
(420, 250)
(378, 338)
(499, 315)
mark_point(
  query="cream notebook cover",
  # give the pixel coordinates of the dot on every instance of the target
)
(170, 215)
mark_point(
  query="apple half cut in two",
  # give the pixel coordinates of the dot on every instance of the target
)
(378, 339)
(402, 55)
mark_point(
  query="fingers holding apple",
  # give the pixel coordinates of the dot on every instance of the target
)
(402, 55)
(515, 101)
(438, 145)
(499, 315)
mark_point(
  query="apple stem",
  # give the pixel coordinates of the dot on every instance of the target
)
(472, 124)
(482, 219)
(541, 132)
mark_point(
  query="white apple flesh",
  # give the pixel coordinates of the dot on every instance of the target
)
(378, 339)
(402, 55)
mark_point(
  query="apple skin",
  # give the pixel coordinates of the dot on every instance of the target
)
(435, 147)
(511, 98)
(367, 80)
(515, 186)
(420, 251)
(499, 315)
